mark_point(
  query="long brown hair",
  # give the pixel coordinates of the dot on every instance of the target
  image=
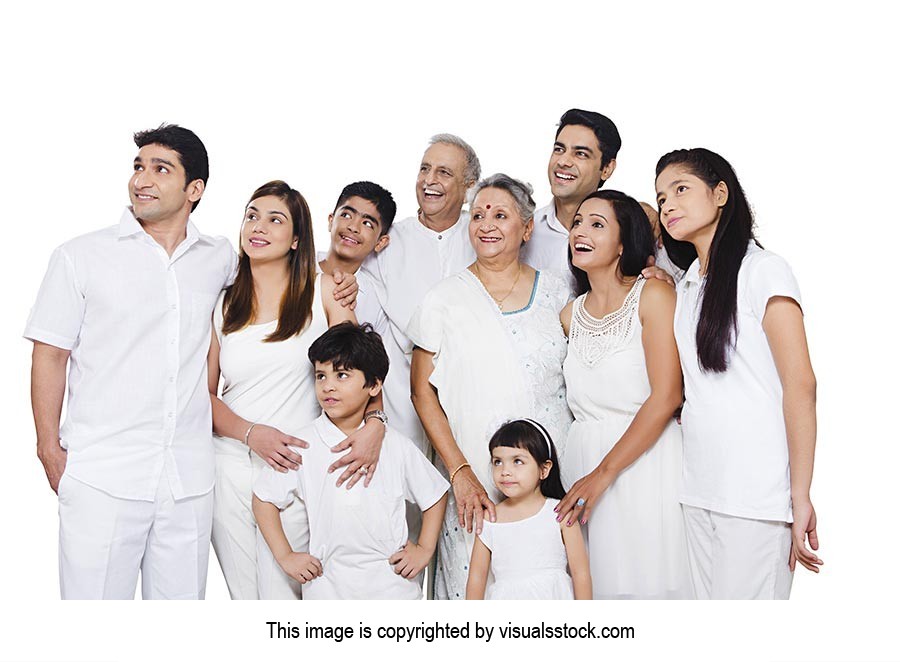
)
(296, 304)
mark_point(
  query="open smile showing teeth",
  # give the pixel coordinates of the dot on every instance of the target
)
(350, 240)
(258, 242)
(583, 248)
(143, 196)
(489, 240)
(566, 177)
(432, 192)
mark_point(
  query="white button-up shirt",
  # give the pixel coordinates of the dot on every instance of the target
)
(416, 260)
(548, 248)
(735, 444)
(137, 323)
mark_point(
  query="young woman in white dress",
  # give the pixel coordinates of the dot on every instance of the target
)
(623, 384)
(263, 326)
(749, 415)
(488, 348)
(532, 556)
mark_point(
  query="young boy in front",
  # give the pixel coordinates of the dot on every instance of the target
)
(358, 538)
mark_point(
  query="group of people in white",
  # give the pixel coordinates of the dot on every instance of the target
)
(597, 399)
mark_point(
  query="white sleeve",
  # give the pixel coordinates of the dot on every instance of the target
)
(278, 488)
(219, 317)
(771, 276)
(58, 312)
(423, 485)
(426, 327)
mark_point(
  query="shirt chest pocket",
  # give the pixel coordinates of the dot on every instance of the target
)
(201, 308)
(379, 513)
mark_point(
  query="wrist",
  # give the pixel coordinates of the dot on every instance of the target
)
(375, 415)
(800, 496)
(48, 443)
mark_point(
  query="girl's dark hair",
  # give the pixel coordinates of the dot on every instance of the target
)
(635, 234)
(717, 327)
(523, 434)
(297, 302)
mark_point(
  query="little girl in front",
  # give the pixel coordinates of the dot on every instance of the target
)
(527, 549)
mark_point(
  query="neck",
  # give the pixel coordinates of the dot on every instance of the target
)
(269, 277)
(498, 269)
(526, 499)
(334, 262)
(604, 280)
(350, 423)
(440, 222)
(167, 233)
(565, 211)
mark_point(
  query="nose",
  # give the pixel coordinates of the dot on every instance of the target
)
(564, 160)
(141, 180)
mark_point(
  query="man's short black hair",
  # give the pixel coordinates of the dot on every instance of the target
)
(185, 142)
(352, 347)
(377, 195)
(603, 127)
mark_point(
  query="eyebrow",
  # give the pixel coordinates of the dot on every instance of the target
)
(138, 159)
(272, 211)
(437, 165)
(584, 148)
(600, 216)
(356, 211)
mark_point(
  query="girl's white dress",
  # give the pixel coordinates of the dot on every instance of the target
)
(490, 367)
(528, 558)
(635, 536)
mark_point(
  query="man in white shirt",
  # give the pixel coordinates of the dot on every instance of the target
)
(583, 158)
(423, 250)
(128, 309)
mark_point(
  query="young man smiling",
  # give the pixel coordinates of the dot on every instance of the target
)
(128, 309)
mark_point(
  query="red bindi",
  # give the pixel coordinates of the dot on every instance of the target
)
(488, 206)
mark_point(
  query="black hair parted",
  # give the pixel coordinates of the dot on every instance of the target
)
(185, 142)
(635, 234)
(717, 326)
(352, 347)
(604, 129)
(377, 195)
(530, 436)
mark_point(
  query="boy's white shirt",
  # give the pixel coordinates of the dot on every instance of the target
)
(354, 532)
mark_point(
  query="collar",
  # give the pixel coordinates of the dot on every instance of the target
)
(461, 222)
(692, 275)
(129, 227)
(548, 215)
(328, 432)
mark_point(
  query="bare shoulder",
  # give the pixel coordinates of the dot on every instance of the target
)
(657, 299)
(565, 316)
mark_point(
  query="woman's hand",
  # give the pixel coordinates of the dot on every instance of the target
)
(577, 504)
(273, 446)
(345, 289)
(652, 271)
(471, 500)
(361, 461)
(803, 528)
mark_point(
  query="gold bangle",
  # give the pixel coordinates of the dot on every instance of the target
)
(456, 471)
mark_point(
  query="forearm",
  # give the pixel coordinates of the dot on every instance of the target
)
(225, 422)
(432, 519)
(799, 405)
(48, 387)
(644, 431)
(581, 583)
(268, 519)
(437, 427)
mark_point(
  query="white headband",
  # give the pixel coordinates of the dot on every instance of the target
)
(540, 428)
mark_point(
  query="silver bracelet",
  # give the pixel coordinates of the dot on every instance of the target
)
(247, 435)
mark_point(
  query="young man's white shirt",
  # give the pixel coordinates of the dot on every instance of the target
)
(137, 323)
(547, 249)
(354, 532)
(416, 260)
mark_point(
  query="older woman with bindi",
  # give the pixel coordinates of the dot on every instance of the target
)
(488, 348)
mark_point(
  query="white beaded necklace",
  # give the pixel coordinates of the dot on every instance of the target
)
(593, 339)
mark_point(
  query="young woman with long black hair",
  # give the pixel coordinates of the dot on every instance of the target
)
(749, 418)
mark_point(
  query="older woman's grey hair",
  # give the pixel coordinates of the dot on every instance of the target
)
(473, 165)
(520, 192)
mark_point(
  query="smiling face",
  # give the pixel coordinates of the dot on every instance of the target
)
(355, 228)
(441, 185)
(689, 209)
(342, 393)
(157, 188)
(496, 229)
(268, 230)
(575, 168)
(595, 235)
(515, 472)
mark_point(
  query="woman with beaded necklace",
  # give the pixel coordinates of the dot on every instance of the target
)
(623, 382)
(488, 348)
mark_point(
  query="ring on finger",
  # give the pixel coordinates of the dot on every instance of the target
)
(362, 470)
(580, 502)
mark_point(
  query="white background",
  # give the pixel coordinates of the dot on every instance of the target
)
(797, 96)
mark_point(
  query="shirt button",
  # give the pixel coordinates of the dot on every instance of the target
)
(440, 236)
(171, 379)
(173, 306)
(171, 415)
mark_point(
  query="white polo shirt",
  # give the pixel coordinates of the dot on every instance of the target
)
(416, 260)
(735, 445)
(137, 323)
(548, 248)
(354, 532)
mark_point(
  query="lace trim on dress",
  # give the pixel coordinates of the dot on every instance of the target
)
(594, 339)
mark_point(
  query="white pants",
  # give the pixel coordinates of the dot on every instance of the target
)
(250, 570)
(105, 541)
(734, 558)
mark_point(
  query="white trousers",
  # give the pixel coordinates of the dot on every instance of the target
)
(250, 570)
(734, 558)
(105, 541)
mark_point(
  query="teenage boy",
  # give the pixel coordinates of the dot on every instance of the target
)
(128, 310)
(358, 542)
